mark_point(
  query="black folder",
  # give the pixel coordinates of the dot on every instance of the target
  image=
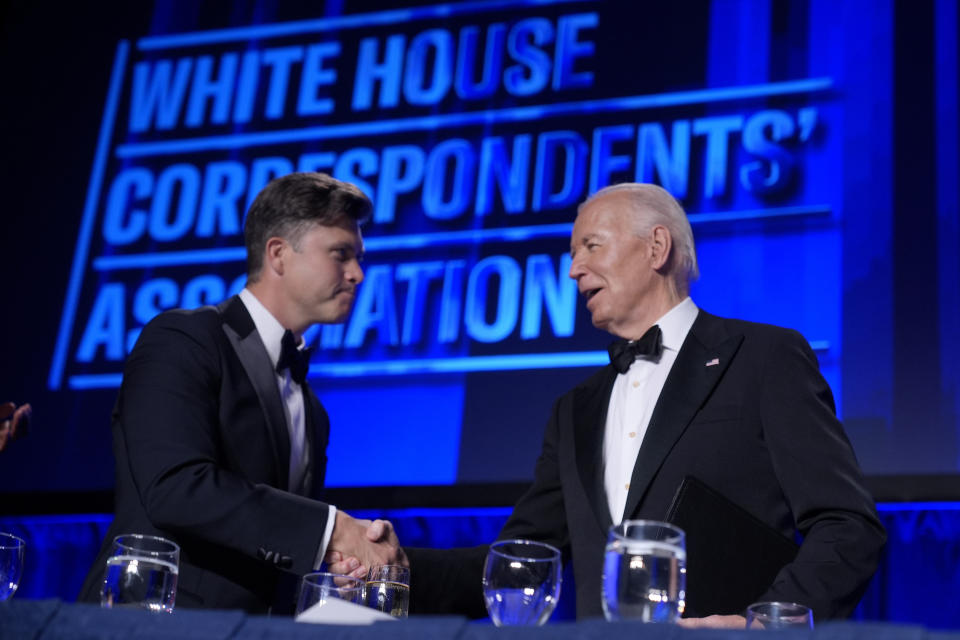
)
(732, 556)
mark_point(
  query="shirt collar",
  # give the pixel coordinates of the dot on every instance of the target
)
(269, 328)
(675, 324)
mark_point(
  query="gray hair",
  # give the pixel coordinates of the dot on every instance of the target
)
(654, 205)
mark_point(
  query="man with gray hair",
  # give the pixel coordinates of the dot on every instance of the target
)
(737, 405)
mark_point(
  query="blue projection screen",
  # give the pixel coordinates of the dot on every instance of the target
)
(476, 128)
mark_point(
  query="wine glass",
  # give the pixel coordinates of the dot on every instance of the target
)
(11, 564)
(779, 615)
(319, 587)
(521, 582)
(388, 589)
(141, 572)
(644, 572)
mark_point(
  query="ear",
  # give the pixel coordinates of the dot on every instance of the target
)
(660, 245)
(275, 254)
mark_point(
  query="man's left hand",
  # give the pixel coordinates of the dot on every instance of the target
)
(714, 622)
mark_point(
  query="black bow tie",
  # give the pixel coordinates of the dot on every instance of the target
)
(298, 360)
(623, 353)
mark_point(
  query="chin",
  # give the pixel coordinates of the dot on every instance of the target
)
(600, 323)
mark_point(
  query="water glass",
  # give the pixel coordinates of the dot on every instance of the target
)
(141, 572)
(644, 572)
(388, 589)
(11, 564)
(779, 615)
(521, 582)
(319, 588)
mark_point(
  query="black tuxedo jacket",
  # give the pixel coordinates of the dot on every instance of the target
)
(202, 453)
(745, 410)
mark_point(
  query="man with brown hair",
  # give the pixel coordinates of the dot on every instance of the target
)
(219, 441)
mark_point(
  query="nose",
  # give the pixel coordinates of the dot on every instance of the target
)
(355, 273)
(576, 268)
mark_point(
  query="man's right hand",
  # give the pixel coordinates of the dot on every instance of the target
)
(357, 545)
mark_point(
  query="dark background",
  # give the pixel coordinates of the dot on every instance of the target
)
(877, 276)
(893, 188)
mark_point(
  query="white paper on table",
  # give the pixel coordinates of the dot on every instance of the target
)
(336, 611)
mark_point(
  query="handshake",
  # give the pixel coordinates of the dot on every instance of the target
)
(356, 546)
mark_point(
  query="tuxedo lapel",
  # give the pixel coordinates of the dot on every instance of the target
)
(589, 420)
(314, 423)
(246, 342)
(701, 362)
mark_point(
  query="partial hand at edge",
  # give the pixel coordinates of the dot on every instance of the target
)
(358, 545)
(14, 422)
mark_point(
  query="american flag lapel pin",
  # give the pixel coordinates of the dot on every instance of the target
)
(713, 362)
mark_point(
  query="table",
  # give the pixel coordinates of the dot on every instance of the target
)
(55, 619)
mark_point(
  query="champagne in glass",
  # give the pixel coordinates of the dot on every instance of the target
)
(141, 572)
(644, 572)
(11, 564)
(388, 589)
(521, 582)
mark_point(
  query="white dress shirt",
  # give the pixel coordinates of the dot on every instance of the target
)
(632, 400)
(271, 333)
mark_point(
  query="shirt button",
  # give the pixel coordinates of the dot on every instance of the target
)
(627, 486)
(632, 434)
(636, 383)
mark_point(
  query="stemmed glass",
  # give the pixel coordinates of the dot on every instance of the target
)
(779, 615)
(644, 572)
(319, 588)
(521, 582)
(11, 564)
(141, 572)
